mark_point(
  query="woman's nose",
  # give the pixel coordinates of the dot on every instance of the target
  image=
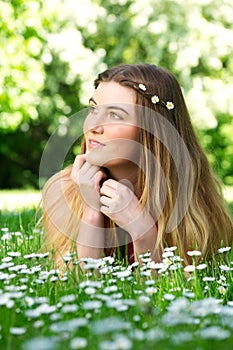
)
(97, 129)
(94, 123)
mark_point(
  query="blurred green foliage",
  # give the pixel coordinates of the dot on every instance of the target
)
(52, 50)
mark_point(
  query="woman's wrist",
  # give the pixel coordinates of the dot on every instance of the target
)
(143, 231)
(91, 234)
(146, 242)
(140, 226)
(92, 216)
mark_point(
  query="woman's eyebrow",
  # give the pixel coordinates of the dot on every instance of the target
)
(118, 108)
(92, 100)
(109, 107)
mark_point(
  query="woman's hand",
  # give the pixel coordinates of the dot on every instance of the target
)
(90, 240)
(121, 205)
(88, 178)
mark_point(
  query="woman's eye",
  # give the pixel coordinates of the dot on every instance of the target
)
(115, 116)
(92, 110)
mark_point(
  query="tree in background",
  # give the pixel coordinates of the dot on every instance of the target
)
(51, 50)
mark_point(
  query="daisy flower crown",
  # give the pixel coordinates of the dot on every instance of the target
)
(154, 98)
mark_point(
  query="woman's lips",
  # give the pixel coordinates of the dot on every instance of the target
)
(94, 144)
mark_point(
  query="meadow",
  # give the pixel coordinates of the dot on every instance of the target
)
(110, 306)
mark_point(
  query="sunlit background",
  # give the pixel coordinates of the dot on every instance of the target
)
(52, 50)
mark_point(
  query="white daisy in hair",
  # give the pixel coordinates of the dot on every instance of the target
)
(170, 105)
(155, 99)
(142, 87)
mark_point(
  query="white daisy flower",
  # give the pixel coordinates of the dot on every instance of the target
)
(151, 290)
(208, 279)
(189, 268)
(18, 330)
(78, 343)
(170, 249)
(155, 99)
(170, 105)
(194, 253)
(201, 266)
(224, 250)
(142, 87)
(222, 290)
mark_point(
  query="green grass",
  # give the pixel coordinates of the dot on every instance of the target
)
(110, 306)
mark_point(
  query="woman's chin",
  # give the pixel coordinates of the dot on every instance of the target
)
(94, 158)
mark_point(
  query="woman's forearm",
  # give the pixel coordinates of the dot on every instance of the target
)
(90, 241)
(146, 242)
(143, 231)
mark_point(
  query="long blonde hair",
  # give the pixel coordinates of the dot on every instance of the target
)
(206, 223)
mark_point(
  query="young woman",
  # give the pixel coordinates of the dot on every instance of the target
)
(142, 181)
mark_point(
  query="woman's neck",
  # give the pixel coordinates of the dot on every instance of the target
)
(127, 174)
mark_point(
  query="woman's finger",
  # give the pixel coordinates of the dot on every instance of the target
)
(109, 188)
(111, 183)
(78, 163)
(88, 170)
(100, 176)
(105, 210)
(108, 191)
(105, 201)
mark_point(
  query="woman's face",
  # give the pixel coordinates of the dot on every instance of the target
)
(110, 129)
